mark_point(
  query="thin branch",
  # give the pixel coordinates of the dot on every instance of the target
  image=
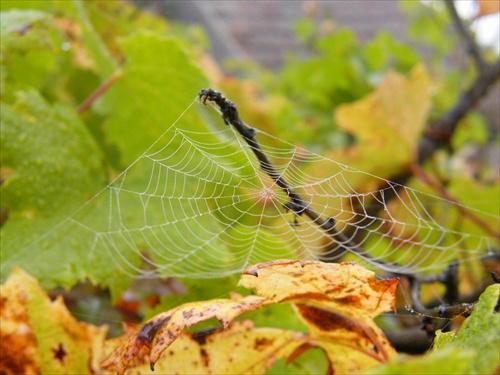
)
(450, 308)
(471, 45)
(297, 205)
(99, 92)
(488, 75)
(440, 133)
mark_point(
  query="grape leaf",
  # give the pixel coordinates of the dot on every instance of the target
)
(158, 78)
(30, 51)
(59, 174)
(441, 362)
(40, 336)
(240, 349)
(478, 333)
(50, 165)
(390, 118)
(160, 331)
(337, 302)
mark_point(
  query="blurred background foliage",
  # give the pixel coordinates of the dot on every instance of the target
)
(146, 70)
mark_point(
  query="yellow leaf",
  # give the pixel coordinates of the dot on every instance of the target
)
(240, 349)
(386, 125)
(337, 302)
(346, 288)
(160, 331)
(390, 120)
(41, 336)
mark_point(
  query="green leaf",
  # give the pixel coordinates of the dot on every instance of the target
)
(479, 333)
(50, 166)
(29, 50)
(51, 161)
(474, 128)
(443, 362)
(158, 79)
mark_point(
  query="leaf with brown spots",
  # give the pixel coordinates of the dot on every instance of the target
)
(41, 336)
(337, 302)
(159, 332)
(239, 349)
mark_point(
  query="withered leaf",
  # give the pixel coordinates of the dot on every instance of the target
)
(41, 336)
(239, 349)
(159, 332)
(337, 302)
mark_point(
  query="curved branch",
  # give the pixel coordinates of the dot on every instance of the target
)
(297, 205)
(471, 45)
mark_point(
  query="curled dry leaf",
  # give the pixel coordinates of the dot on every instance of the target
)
(240, 349)
(337, 302)
(41, 336)
(159, 332)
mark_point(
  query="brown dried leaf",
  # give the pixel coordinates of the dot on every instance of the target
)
(41, 336)
(240, 349)
(345, 288)
(159, 332)
(336, 301)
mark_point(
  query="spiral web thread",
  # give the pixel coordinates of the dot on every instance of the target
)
(196, 204)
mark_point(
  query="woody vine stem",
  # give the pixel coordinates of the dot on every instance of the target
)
(299, 207)
(296, 204)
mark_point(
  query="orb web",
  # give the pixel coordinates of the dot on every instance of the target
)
(197, 204)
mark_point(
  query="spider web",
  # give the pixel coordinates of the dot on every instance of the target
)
(196, 204)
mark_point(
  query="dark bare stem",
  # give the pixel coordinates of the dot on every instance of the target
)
(440, 132)
(450, 308)
(471, 45)
(297, 204)
(99, 92)
(299, 207)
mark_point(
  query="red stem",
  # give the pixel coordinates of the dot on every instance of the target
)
(100, 90)
(419, 172)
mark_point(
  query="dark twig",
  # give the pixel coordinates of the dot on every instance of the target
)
(447, 310)
(439, 133)
(471, 45)
(297, 205)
